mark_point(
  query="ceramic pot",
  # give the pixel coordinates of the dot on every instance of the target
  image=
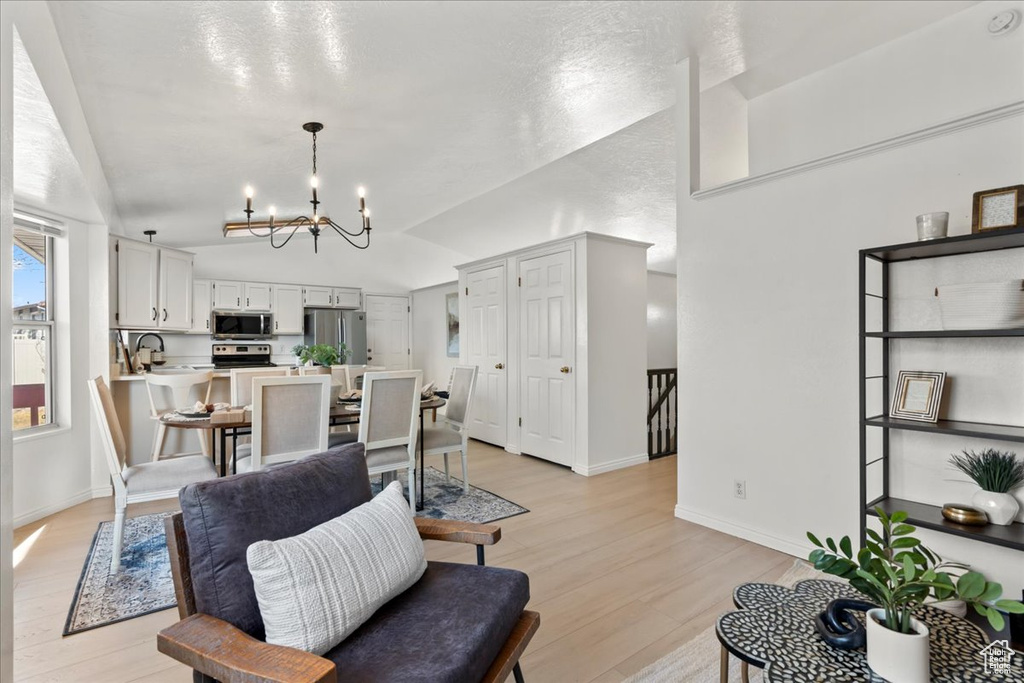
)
(932, 226)
(897, 657)
(1001, 508)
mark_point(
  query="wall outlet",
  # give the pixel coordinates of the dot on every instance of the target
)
(739, 488)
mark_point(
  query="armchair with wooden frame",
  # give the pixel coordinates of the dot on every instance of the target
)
(459, 622)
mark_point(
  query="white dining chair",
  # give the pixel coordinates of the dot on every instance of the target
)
(452, 434)
(310, 370)
(290, 416)
(180, 385)
(138, 483)
(354, 372)
(241, 382)
(389, 421)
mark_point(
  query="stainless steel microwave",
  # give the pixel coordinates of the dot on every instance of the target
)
(239, 325)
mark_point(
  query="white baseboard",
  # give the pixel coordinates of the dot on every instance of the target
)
(103, 492)
(47, 510)
(610, 466)
(783, 545)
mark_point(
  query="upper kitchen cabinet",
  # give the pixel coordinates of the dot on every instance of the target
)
(154, 286)
(288, 314)
(227, 295)
(318, 297)
(347, 297)
(259, 297)
(202, 305)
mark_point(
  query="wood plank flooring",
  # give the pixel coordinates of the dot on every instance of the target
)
(618, 581)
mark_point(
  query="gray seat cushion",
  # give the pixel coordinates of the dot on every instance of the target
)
(441, 437)
(335, 439)
(448, 627)
(223, 517)
(168, 475)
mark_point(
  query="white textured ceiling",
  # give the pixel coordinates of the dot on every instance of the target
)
(46, 173)
(429, 104)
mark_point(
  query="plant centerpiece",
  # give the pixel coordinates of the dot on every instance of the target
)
(899, 574)
(319, 354)
(997, 473)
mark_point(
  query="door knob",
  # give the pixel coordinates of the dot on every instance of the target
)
(564, 370)
(499, 366)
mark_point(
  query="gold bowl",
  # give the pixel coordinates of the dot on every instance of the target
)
(964, 514)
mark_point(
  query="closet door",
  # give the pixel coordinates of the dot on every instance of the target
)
(483, 333)
(546, 349)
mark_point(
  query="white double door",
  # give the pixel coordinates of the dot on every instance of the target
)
(387, 331)
(543, 379)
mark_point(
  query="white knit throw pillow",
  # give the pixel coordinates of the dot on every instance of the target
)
(316, 588)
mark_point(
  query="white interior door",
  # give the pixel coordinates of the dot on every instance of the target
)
(387, 331)
(483, 333)
(546, 387)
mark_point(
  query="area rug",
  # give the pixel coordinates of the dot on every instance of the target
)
(446, 500)
(142, 586)
(698, 661)
(144, 583)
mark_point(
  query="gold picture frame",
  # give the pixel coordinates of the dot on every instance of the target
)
(918, 395)
(1001, 208)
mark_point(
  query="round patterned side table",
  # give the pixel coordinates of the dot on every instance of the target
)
(773, 629)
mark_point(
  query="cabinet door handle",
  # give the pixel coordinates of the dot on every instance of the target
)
(154, 313)
(330, 298)
(207, 323)
(246, 302)
(276, 324)
(165, 315)
(238, 302)
(499, 366)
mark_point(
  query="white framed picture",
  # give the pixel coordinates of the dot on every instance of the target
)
(918, 395)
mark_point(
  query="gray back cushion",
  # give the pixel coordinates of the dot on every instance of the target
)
(224, 516)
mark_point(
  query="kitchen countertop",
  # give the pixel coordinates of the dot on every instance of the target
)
(166, 371)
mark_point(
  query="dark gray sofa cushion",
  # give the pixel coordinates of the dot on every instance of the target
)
(447, 628)
(224, 516)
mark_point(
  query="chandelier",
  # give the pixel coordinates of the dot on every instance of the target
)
(316, 224)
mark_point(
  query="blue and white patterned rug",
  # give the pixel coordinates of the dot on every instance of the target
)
(144, 583)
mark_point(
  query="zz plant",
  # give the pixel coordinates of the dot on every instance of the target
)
(898, 573)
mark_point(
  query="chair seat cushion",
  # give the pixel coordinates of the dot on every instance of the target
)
(168, 475)
(335, 439)
(435, 438)
(387, 459)
(449, 626)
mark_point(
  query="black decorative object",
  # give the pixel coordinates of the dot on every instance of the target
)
(1017, 625)
(839, 627)
(313, 224)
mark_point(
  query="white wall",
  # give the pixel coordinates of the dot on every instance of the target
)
(723, 135)
(429, 333)
(951, 68)
(768, 301)
(661, 320)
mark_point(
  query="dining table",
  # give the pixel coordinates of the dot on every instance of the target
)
(345, 411)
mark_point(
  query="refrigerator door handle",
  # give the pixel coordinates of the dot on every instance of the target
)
(341, 335)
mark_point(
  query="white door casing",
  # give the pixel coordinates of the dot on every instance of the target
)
(175, 290)
(387, 331)
(483, 333)
(547, 355)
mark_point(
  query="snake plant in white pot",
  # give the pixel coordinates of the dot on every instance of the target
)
(899, 575)
(997, 473)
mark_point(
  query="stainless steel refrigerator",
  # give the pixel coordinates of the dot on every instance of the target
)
(334, 326)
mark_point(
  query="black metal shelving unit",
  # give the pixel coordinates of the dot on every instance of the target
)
(920, 514)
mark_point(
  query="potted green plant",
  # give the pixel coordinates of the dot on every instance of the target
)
(997, 473)
(297, 351)
(899, 574)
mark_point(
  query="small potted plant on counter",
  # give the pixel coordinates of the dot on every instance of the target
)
(319, 354)
(897, 573)
(997, 473)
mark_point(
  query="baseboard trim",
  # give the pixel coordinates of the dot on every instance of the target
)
(783, 545)
(610, 466)
(47, 510)
(954, 125)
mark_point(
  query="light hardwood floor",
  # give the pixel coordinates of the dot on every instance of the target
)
(618, 581)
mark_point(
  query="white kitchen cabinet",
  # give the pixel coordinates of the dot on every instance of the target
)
(202, 305)
(258, 297)
(319, 297)
(175, 290)
(138, 265)
(288, 313)
(555, 332)
(347, 297)
(227, 295)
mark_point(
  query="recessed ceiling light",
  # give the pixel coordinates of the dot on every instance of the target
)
(1004, 22)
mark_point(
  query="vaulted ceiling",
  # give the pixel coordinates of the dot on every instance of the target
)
(468, 122)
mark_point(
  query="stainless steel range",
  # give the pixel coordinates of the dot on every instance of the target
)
(226, 356)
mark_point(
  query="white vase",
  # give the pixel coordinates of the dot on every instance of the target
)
(1001, 508)
(897, 657)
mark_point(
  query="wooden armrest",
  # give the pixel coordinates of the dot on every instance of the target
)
(457, 532)
(218, 649)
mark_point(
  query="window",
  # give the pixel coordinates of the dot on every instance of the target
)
(32, 268)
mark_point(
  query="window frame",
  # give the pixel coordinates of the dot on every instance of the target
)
(49, 232)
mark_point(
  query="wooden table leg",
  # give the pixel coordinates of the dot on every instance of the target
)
(723, 670)
(745, 669)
